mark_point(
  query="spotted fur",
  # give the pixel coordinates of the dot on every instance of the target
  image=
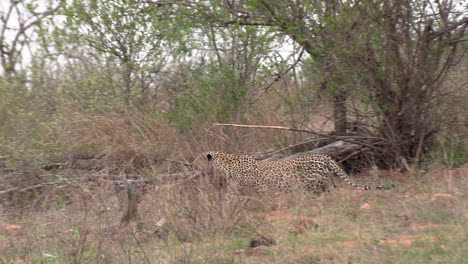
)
(312, 173)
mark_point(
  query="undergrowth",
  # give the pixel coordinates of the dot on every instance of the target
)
(420, 222)
(58, 202)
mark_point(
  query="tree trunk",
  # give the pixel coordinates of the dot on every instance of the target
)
(339, 112)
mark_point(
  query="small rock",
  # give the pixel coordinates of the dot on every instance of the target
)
(365, 206)
(261, 240)
(402, 216)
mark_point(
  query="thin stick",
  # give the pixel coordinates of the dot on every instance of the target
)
(268, 127)
(180, 162)
(352, 154)
(279, 76)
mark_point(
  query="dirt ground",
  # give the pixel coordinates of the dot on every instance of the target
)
(423, 220)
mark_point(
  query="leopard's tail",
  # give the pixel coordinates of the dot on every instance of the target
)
(336, 170)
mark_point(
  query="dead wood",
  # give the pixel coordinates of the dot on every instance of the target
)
(344, 146)
(128, 196)
(348, 138)
(335, 149)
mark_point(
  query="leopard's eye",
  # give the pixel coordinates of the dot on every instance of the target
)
(209, 156)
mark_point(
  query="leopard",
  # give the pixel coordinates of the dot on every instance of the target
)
(312, 173)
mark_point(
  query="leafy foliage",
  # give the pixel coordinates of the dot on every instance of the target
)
(382, 65)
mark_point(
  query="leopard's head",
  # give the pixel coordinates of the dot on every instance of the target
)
(218, 161)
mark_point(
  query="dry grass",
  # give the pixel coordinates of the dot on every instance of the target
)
(191, 216)
(423, 221)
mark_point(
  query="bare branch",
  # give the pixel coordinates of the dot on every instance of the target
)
(32, 187)
(266, 127)
(10, 52)
(279, 76)
(439, 33)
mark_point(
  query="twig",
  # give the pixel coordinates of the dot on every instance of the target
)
(29, 187)
(180, 162)
(169, 186)
(352, 154)
(9, 190)
(279, 76)
(267, 127)
(139, 245)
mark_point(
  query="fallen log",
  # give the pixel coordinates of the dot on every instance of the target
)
(338, 149)
(335, 149)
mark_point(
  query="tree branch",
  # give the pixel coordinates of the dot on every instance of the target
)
(244, 19)
(437, 34)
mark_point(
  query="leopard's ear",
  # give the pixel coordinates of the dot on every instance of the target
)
(209, 156)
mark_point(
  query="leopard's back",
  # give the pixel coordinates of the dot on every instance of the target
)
(314, 173)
